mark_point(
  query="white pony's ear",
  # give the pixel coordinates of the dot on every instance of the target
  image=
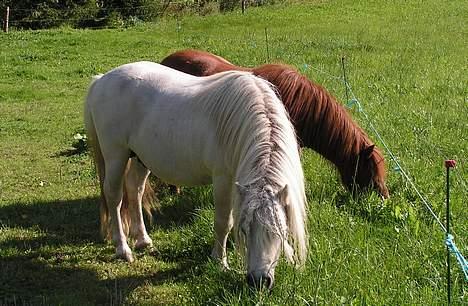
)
(283, 195)
(242, 189)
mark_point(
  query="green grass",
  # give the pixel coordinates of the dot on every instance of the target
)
(406, 62)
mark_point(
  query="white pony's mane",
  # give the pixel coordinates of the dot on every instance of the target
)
(253, 126)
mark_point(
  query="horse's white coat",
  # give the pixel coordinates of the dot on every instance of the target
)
(222, 129)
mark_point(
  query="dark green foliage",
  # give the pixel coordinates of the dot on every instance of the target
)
(37, 14)
(228, 5)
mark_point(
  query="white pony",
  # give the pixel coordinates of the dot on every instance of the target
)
(228, 129)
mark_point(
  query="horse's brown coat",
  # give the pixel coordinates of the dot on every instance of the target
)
(321, 123)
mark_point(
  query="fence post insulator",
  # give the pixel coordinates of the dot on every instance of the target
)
(450, 163)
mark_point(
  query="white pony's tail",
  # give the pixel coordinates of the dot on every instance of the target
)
(98, 159)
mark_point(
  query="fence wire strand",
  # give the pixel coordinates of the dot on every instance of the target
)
(449, 238)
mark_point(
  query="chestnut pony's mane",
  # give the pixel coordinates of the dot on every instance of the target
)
(322, 123)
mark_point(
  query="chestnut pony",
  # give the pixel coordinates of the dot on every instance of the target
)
(321, 123)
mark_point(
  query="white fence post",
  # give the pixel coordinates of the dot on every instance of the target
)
(5, 21)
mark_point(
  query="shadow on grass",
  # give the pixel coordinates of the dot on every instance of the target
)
(63, 221)
(180, 212)
(54, 262)
(70, 152)
(78, 220)
(26, 281)
(177, 210)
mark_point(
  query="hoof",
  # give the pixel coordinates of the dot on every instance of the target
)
(225, 266)
(144, 243)
(222, 261)
(125, 254)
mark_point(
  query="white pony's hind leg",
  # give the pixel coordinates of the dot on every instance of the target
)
(113, 191)
(136, 177)
(222, 189)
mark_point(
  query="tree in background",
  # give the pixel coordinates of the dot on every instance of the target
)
(40, 14)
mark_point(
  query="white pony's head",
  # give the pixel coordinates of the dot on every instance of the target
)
(263, 231)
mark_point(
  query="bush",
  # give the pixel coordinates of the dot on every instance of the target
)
(40, 14)
(36, 14)
(228, 5)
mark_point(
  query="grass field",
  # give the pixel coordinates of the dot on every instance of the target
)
(406, 62)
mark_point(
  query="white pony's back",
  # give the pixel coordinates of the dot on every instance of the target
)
(160, 111)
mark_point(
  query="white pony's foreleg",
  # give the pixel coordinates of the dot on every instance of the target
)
(113, 191)
(222, 189)
(135, 184)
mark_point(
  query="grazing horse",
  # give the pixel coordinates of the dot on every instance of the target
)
(229, 129)
(321, 123)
